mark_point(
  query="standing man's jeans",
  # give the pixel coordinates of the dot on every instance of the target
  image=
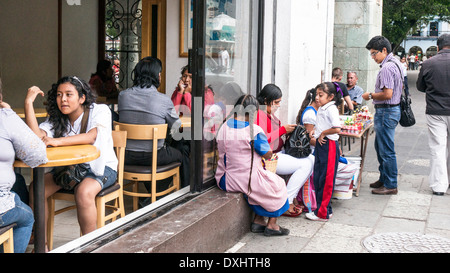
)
(385, 121)
(438, 140)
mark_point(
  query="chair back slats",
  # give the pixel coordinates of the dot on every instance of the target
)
(120, 143)
(143, 132)
(154, 133)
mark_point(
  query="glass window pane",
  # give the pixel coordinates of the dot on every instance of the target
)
(228, 67)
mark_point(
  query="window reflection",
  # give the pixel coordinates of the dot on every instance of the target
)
(228, 46)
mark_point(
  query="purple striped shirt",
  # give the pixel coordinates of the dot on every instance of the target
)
(389, 77)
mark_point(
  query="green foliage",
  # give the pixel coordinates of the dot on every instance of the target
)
(402, 16)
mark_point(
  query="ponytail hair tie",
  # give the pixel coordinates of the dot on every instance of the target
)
(338, 88)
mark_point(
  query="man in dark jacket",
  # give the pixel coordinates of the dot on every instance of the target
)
(434, 80)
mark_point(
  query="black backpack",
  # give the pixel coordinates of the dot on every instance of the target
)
(297, 143)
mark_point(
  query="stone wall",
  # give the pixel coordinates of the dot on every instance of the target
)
(356, 22)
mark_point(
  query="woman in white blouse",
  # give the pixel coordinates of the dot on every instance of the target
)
(67, 101)
(16, 140)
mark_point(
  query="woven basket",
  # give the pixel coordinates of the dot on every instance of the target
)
(271, 164)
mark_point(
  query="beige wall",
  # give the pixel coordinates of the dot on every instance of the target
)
(174, 62)
(356, 22)
(28, 47)
(79, 39)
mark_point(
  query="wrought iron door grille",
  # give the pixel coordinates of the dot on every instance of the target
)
(123, 21)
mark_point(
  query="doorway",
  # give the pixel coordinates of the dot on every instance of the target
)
(154, 33)
(129, 31)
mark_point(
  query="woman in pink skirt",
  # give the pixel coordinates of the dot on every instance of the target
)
(241, 145)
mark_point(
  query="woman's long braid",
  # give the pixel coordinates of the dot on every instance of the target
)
(252, 145)
(239, 109)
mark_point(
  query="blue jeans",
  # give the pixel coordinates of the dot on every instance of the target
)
(385, 121)
(22, 215)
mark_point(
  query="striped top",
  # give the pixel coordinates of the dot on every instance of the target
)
(389, 77)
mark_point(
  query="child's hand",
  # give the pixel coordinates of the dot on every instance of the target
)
(321, 139)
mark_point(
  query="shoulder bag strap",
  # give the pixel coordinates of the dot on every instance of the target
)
(84, 121)
(403, 86)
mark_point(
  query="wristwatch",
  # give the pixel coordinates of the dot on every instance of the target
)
(370, 96)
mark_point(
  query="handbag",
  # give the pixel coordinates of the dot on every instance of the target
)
(407, 118)
(68, 177)
(297, 144)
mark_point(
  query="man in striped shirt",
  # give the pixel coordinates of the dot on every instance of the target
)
(386, 99)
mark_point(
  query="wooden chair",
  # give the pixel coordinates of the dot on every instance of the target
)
(153, 173)
(6, 238)
(113, 193)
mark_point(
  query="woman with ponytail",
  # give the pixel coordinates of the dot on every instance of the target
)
(242, 145)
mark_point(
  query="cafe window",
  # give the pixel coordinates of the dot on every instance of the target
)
(230, 67)
(230, 57)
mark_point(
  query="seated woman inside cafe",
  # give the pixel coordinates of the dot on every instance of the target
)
(144, 104)
(73, 119)
(102, 82)
(182, 96)
(16, 140)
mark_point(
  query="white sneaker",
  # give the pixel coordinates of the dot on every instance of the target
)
(311, 216)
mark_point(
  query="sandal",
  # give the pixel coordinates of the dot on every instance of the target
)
(273, 232)
(296, 213)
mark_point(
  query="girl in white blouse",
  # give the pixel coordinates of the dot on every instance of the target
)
(16, 140)
(67, 101)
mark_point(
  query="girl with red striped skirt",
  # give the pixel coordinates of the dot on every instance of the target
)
(326, 132)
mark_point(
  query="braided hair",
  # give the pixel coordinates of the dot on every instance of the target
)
(246, 106)
(59, 121)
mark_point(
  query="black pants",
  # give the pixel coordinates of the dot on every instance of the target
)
(166, 155)
(20, 187)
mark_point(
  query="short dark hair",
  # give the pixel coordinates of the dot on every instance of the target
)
(443, 41)
(378, 43)
(269, 93)
(146, 72)
(337, 72)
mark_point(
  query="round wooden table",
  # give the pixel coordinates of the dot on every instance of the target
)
(57, 156)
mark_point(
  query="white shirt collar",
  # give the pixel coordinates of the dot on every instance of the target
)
(328, 105)
(76, 125)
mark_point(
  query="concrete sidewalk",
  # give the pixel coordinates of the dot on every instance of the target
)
(414, 210)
